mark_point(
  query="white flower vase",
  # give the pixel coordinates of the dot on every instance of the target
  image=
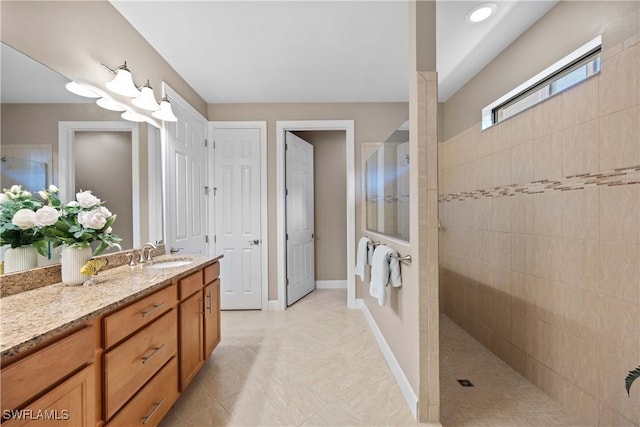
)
(20, 258)
(72, 260)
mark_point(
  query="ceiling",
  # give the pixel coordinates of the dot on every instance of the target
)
(318, 51)
(301, 50)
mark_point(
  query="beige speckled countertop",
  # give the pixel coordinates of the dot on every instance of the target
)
(31, 317)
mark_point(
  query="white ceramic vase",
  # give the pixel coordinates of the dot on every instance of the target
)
(20, 258)
(72, 259)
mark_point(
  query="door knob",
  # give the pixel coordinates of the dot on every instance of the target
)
(254, 242)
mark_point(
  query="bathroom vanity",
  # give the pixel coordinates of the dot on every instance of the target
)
(118, 352)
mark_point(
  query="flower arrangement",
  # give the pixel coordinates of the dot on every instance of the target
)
(80, 222)
(24, 219)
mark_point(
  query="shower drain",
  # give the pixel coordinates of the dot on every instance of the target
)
(465, 383)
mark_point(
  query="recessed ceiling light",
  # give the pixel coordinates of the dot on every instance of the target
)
(481, 12)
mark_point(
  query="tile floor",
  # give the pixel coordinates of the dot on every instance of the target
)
(317, 364)
(500, 396)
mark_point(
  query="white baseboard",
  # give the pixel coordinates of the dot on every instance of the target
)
(273, 305)
(331, 284)
(405, 387)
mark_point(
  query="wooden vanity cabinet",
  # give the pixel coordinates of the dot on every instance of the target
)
(199, 313)
(126, 368)
(56, 382)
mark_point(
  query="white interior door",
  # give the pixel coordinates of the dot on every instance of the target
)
(186, 218)
(238, 237)
(300, 221)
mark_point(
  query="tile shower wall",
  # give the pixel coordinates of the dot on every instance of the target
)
(540, 233)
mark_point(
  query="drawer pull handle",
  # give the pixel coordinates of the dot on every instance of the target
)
(210, 302)
(145, 359)
(156, 406)
(152, 309)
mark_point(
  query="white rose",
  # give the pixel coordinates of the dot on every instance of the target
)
(109, 230)
(3, 198)
(16, 189)
(73, 204)
(105, 212)
(25, 219)
(86, 199)
(43, 195)
(92, 219)
(53, 189)
(47, 215)
(26, 194)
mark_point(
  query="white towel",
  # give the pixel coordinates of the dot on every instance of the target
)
(362, 256)
(385, 269)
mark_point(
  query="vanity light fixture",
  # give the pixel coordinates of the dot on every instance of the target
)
(146, 100)
(165, 113)
(110, 104)
(82, 90)
(122, 84)
(481, 12)
(133, 116)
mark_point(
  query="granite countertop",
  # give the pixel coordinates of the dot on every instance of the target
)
(31, 317)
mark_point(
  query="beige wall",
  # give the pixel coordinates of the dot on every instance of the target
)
(540, 245)
(567, 26)
(75, 37)
(373, 122)
(330, 202)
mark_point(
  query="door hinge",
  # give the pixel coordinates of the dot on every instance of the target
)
(287, 282)
(215, 191)
(206, 143)
(214, 144)
(215, 239)
(206, 190)
(286, 147)
(286, 191)
(206, 239)
(287, 235)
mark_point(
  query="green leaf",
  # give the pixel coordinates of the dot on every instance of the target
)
(633, 375)
(100, 248)
(42, 247)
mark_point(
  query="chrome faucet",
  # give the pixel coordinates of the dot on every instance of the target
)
(148, 247)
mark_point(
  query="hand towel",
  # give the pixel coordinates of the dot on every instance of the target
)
(362, 256)
(385, 269)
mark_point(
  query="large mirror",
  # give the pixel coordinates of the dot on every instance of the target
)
(387, 186)
(51, 136)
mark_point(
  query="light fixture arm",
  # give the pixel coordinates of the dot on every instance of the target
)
(115, 70)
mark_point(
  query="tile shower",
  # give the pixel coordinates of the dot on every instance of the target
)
(540, 240)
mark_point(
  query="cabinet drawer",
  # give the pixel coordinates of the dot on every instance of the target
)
(131, 318)
(35, 373)
(70, 404)
(153, 402)
(129, 365)
(190, 284)
(211, 272)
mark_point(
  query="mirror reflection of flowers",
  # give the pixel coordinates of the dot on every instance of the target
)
(81, 222)
(24, 219)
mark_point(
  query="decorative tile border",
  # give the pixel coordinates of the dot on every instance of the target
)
(621, 176)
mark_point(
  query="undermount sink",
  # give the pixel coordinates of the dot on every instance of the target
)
(169, 264)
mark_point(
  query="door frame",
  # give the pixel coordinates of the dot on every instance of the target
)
(264, 217)
(66, 167)
(282, 127)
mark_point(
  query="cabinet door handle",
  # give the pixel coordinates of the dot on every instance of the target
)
(152, 309)
(210, 302)
(156, 406)
(145, 359)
